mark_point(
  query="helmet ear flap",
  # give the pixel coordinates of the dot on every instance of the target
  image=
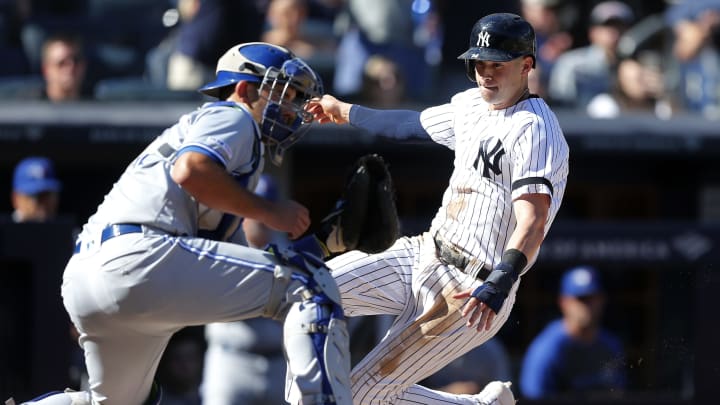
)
(470, 69)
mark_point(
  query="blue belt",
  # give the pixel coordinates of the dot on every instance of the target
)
(112, 231)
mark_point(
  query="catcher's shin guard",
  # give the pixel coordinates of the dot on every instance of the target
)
(316, 340)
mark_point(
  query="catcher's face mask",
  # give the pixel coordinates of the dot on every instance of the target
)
(287, 91)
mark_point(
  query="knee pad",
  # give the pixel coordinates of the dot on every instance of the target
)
(315, 336)
(316, 345)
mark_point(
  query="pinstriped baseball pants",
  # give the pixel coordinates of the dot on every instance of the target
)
(408, 281)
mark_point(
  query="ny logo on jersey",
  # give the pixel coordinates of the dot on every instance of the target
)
(483, 39)
(490, 157)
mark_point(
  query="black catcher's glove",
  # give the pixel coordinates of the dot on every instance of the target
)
(365, 218)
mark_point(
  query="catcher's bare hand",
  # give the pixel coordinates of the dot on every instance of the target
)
(291, 217)
(479, 315)
(328, 109)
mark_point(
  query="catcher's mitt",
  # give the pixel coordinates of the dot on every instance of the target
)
(365, 218)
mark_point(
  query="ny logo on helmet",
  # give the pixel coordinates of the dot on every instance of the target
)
(483, 39)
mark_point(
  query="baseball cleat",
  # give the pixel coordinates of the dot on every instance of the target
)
(11, 401)
(496, 393)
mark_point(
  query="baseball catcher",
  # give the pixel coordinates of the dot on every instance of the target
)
(159, 252)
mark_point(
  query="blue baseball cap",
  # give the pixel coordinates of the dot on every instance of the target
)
(580, 281)
(35, 175)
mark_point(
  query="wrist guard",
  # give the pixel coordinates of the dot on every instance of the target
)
(498, 284)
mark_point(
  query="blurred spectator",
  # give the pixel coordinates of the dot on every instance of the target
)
(39, 18)
(63, 68)
(286, 19)
(638, 88)
(582, 73)
(575, 355)
(471, 372)
(399, 30)
(383, 83)
(12, 14)
(325, 10)
(209, 28)
(36, 190)
(314, 41)
(180, 369)
(35, 199)
(244, 361)
(696, 26)
(551, 35)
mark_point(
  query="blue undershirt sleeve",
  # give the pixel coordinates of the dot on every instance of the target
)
(395, 124)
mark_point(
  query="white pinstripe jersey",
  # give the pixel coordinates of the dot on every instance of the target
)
(499, 156)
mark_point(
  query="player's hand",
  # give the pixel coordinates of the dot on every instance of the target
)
(328, 109)
(479, 315)
(291, 217)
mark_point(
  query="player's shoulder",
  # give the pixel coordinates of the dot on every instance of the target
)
(534, 110)
(224, 108)
(533, 105)
(221, 114)
(467, 97)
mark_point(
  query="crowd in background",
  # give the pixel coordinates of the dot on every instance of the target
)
(601, 58)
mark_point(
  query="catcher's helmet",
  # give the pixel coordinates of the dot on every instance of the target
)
(276, 69)
(499, 38)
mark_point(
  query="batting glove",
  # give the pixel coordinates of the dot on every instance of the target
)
(498, 284)
(490, 295)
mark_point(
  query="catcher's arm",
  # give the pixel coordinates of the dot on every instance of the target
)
(211, 185)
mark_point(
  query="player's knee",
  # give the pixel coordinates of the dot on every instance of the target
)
(316, 343)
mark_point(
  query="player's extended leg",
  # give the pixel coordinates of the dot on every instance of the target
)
(377, 284)
(121, 354)
(429, 331)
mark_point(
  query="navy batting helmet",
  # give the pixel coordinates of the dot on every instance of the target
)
(499, 38)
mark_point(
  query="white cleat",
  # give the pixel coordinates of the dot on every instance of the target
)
(10, 401)
(496, 393)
